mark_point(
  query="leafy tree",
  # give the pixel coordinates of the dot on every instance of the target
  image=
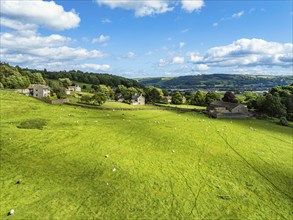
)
(84, 87)
(65, 82)
(1, 86)
(85, 98)
(229, 97)
(199, 98)
(99, 98)
(153, 94)
(272, 106)
(212, 96)
(177, 98)
(59, 90)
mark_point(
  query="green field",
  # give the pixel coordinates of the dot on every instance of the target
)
(169, 165)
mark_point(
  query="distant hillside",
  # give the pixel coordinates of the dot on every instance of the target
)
(17, 77)
(218, 82)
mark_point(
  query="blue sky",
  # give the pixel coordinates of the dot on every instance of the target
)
(149, 38)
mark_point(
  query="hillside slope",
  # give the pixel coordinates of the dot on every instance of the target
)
(219, 81)
(169, 165)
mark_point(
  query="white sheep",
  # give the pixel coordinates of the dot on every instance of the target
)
(106, 155)
(114, 169)
(11, 212)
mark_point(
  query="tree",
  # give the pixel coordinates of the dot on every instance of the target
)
(272, 106)
(177, 98)
(99, 98)
(199, 98)
(212, 96)
(59, 90)
(85, 98)
(153, 94)
(65, 82)
(229, 97)
(84, 87)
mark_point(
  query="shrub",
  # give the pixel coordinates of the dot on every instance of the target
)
(289, 116)
(33, 124)
(283, 121)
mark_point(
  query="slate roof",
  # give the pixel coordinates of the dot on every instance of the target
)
(228, 105)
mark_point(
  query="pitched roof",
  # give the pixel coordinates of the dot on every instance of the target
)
(227, 105)
(135, 97)
(39, 86)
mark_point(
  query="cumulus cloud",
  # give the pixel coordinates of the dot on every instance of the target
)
(238, 15)
(151, 7)
(192, 5)
(247, 52)
(178, 60)
(90, 67)
(130, 54)
(181, 45)
(162, 62)
(101, 39)
(40, 13)
(141, 8)
(38, 49)
(106, 21)
(201, 67)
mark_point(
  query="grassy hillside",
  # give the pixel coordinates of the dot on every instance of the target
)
(219, 81)
(169, 165)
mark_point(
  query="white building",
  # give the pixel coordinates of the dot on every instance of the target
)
(38, 91)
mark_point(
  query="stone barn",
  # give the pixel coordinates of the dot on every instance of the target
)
(38, 90)
(137, 100)
(220, 109)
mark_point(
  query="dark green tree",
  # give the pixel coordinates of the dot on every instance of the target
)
(177, 98)
(229, 97)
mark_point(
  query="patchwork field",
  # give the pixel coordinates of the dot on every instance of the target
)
(168, 164)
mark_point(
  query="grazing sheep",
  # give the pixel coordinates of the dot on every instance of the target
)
(173, 151)
(106, 155)
(114, 169)
(11, 212)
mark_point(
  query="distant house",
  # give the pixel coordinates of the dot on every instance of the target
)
(38, 90)
(70, 89)
(137, 100)
(220, 109)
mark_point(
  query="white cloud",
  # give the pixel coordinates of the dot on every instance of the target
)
(201, 67)
(106, 21)
(130, 54)
(192, 5)
(247, 52)
(41, 13)
(151, 7)
(178, 60)
(90, 67)
(162, 62)
(38, 49)
(181, 45)
(101, 39)
(238, 15)
(184, 30)
(141, 8)
(215, 24)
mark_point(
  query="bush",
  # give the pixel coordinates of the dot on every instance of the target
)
(283, 121)
(33, 124)
(289, 116)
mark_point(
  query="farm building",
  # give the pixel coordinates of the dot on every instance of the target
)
(137, 100)
(38, 90)
(70, 89)
(220, 109)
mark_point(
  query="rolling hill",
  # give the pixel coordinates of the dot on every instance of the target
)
(218, 82)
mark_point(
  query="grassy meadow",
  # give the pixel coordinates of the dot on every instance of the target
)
(168, 164)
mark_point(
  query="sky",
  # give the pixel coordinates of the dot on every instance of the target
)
(151, 38)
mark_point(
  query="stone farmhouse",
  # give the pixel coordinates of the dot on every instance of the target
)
(137, 100)
(70, 89)
(38, 91)
(220, 109)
